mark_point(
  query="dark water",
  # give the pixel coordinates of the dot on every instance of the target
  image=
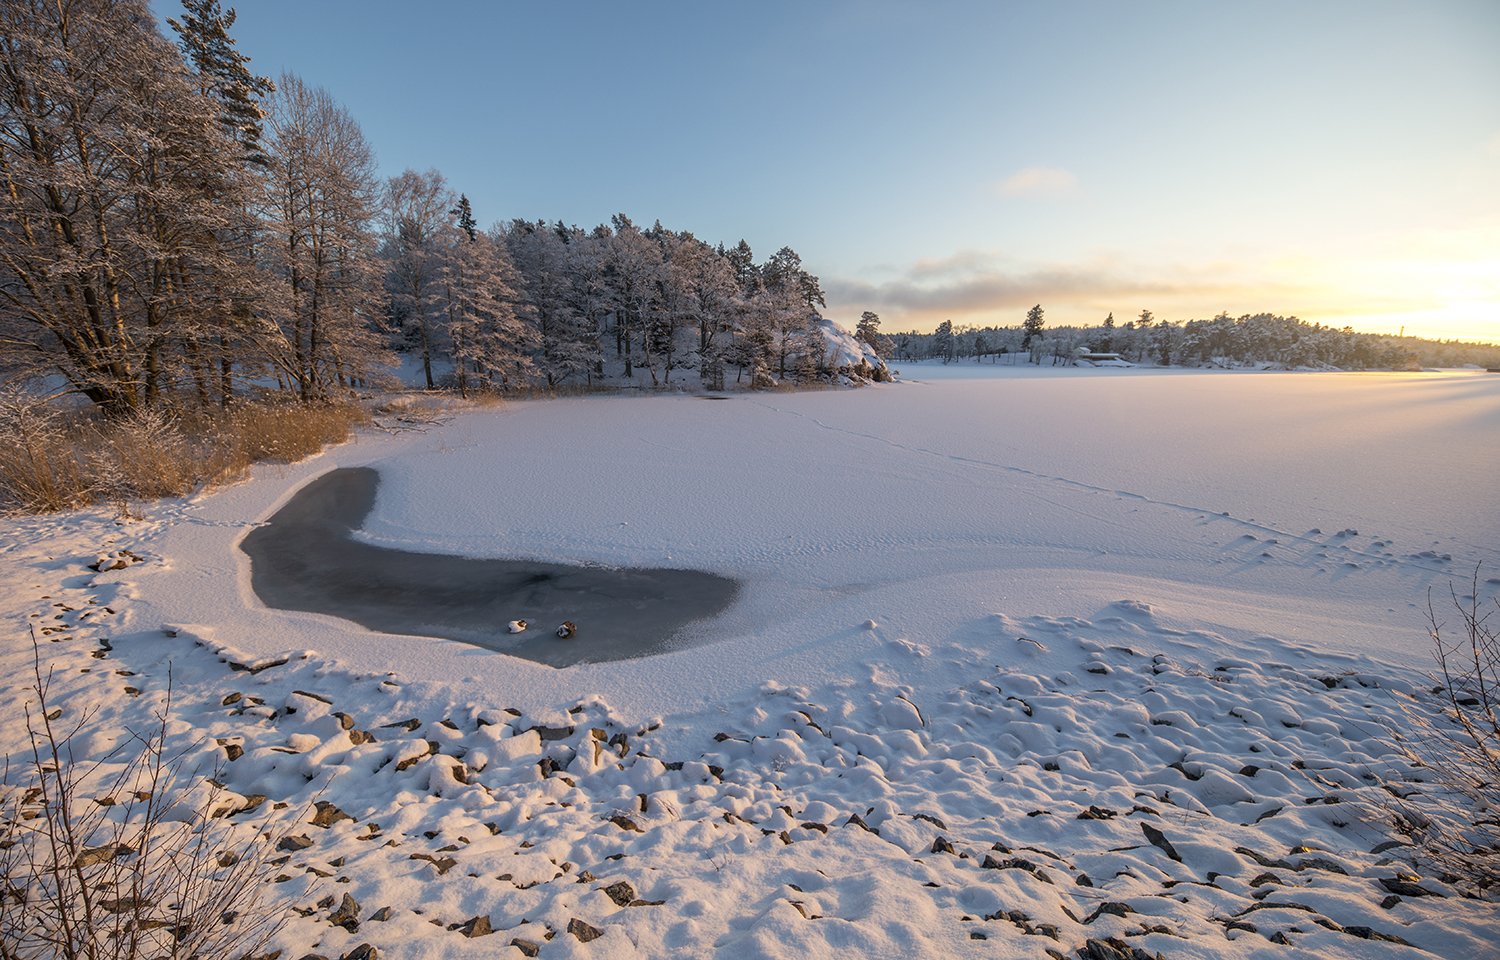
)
(304, 558)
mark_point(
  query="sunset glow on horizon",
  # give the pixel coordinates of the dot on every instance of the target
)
(1337, 161)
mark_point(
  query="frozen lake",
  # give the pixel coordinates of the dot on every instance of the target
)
(304, 558)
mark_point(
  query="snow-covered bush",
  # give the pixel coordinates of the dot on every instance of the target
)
(125, 856)
(1455, 740)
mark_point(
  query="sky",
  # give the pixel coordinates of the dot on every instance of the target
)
(1337, 161)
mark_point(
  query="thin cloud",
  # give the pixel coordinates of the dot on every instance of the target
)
(1037, 182)
(979, 288)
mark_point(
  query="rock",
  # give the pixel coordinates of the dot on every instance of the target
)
(622, 893)
(476, 927)
(1365, 933)
(1112, 907)
(328, 815)
(347, 914)
(528, 948)
(583, 931)
(1113, 948)
(364, 951)
(625, 823)
(942, 845)
(1406, 887)
(566, 630)
(517, 626)
(1097, 813)
(93, 856)
(293, 844)
(381, 915)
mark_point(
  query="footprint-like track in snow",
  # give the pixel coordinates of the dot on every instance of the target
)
(1337, 550)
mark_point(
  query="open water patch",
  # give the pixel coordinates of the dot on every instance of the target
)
(306, 558)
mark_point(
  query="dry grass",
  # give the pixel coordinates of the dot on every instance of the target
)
(53, 460)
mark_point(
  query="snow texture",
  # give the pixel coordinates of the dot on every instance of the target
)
(1025, 659)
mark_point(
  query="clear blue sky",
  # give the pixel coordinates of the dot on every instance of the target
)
(1335, 160)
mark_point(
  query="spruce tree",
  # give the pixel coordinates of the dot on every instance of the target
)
(1033, 326)
(465, 216)
(203, 34)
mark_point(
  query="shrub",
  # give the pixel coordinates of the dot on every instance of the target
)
(37, 467)
(1456, 742)
(127, 855)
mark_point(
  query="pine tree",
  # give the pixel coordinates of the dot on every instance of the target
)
(465, 214)
(223, 74)
(491, 342)
(868, 328)
(1107, 341)
(942, 341)
(1032, 326)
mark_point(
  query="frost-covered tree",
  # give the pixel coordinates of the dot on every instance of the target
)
(321, 199)
(792, 295)
(562, 274)
(117, 177)
(415, 217)
(1033, 326)
(634, 273)
(491, 343)
(942, 341)
(1107, 334)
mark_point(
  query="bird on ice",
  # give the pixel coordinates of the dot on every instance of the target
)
(567, 629)
(517, 626)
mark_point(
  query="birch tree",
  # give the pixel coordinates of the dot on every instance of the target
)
(318, 210)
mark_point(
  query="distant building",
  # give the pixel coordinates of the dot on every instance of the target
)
(1083, 357)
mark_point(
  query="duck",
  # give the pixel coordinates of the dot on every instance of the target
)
(517, 626)
(567, 629)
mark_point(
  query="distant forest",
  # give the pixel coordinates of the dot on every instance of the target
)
(1261, 339)
(176, 229)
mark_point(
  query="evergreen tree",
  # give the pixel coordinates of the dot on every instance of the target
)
(223, 74)
(491, 342)
(465, 214)
(1107, 341)
(1032, 326)
(942, 341)
(868, 328)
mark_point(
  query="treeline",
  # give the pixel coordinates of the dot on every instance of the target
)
(176, 227)
(1258, 339)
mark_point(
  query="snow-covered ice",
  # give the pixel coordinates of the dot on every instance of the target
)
(1023, 658)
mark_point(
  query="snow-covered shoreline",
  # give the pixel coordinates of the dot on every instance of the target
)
(889, 752)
